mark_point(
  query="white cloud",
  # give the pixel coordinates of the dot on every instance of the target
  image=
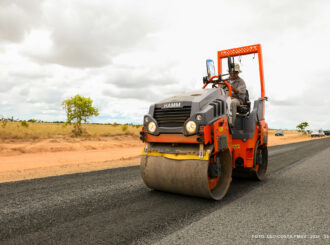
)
(17, 17)
(127, 54)
(90, 34)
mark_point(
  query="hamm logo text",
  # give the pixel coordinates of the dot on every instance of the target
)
(172, 105)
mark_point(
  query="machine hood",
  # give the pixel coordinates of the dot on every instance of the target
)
(200, 97)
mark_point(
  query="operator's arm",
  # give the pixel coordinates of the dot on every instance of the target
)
(240, 89)
(234, 89)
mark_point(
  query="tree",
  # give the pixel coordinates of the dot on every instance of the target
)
(301, 127)
(78, 109)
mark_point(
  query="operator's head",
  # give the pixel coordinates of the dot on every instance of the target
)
(237, 70)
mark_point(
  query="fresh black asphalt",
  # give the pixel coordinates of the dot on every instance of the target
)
(291, 207)
(114, 206)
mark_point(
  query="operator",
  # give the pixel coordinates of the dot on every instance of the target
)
(238, 91)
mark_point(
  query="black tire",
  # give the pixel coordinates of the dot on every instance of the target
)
(260, 161)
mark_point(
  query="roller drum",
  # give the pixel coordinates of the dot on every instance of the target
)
(188, 177)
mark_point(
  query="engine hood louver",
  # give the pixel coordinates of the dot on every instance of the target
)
(172, 117)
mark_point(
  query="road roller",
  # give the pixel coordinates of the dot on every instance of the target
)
(192, 147)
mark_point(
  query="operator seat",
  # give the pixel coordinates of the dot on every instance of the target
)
(244, 109)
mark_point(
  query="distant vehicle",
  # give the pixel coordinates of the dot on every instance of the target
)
(327, 132)
(317, 133)
(279, 133)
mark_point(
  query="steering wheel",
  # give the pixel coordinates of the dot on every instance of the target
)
(214, 83)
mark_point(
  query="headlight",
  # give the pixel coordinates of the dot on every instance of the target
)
(199, 117)
(152, 127)
(191, 127)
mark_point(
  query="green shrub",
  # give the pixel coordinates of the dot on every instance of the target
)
(4, 122)
(124, 128)
(24, 124)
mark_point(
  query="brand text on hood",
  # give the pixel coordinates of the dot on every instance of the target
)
(172, 105)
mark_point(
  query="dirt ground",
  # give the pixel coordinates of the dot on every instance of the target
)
(290, 136)
(20, 160)
(28, 159)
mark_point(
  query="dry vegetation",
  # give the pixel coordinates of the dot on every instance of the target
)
(21, 131)
(46, 149)
(16, 130)
(290, 136)
(291, 133)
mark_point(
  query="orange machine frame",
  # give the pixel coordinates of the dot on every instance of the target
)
(252, 49)
(240, 148)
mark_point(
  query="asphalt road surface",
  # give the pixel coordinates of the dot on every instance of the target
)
(115, 207)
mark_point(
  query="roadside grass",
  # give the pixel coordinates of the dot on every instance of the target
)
(15, 130)
(288, 132)
(33, 131)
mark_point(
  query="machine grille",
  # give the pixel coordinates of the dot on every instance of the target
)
(172, 117)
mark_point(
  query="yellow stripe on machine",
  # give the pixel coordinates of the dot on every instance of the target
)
(178, 156)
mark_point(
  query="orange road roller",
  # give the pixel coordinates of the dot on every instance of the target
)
(191, 145)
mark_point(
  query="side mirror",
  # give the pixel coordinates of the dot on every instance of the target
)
(210, 68)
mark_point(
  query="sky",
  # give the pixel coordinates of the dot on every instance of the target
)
(126, 55)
